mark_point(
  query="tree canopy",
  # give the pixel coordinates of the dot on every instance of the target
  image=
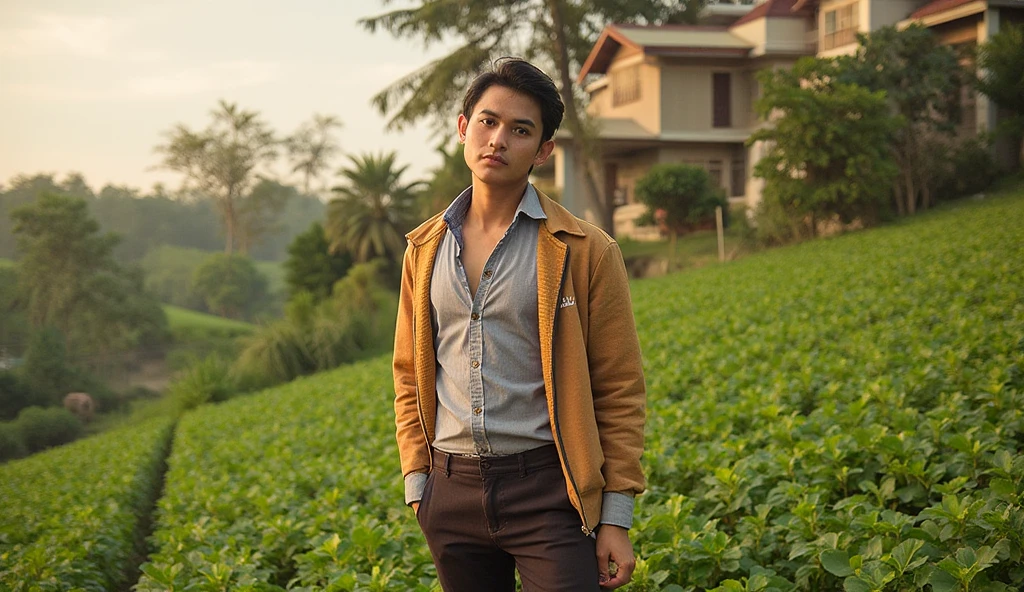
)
(222, 160)
(828, 145)
(374, 210)
(1001, 78)
(922, 80)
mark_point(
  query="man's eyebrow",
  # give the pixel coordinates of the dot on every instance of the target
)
(528, 122)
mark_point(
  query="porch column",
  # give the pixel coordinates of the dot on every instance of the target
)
(986, 109)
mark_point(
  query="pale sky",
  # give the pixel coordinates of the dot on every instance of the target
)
(90, 86)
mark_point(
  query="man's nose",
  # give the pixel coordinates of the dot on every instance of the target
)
(499, 138)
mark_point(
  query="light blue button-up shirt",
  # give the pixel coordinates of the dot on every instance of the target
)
(490, 382)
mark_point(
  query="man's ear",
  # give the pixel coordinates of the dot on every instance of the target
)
(461, 125)
(543, 152)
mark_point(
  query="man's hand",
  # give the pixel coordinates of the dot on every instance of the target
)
(613, 546)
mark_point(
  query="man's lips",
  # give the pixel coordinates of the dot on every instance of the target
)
(495, 158)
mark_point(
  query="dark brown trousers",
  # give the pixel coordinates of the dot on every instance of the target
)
(483, 518)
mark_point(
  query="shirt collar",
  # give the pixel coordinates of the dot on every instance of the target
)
(455, 215)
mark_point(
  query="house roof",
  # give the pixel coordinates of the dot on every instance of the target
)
(799, 4)
(674, 40)
(938, 6)
(773, 9)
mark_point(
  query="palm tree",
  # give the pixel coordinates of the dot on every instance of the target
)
(374, 209)
(312, 146)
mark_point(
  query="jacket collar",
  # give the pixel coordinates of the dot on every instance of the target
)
(558, 220)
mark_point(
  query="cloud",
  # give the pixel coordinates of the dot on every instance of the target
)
(56, 34)
(215, 77)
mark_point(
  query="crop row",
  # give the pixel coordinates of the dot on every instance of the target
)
(844, 413)
(297, 488)
(71, 515)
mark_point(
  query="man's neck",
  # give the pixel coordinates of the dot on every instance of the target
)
(493, 208)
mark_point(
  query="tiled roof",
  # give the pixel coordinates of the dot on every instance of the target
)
(771, 8)
(938, 6)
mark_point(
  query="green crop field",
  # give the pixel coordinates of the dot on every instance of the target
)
(70, 516)
(846, 414)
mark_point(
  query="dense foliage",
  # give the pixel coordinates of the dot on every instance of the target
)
(844, 413)
(848, 412)
(70, 515)
(827, 150)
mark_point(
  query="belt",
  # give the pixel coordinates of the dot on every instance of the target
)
(522, 462)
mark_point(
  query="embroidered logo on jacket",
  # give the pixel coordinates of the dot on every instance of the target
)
(568, 301)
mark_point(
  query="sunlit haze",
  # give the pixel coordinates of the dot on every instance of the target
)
(91, 86)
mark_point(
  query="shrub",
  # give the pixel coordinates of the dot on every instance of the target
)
(231, 285)
(679, 197)
(11, 445)
(41, 428)
(204, 381)
(14, 396)
(971, 169)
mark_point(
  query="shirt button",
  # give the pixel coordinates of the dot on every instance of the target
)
(477, 411)
(474, 316)
(475, 364)
(487, 273)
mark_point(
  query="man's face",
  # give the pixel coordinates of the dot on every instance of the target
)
(502, 137)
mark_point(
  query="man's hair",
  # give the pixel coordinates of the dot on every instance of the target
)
(523, 77)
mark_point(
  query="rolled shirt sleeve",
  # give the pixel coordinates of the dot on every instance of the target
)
(616, 509)
(414, 486)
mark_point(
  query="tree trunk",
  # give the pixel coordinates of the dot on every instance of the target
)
(582, 160)
(897, 194)
(229, 225)
(910, 192)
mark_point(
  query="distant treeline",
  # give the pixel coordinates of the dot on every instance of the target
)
(144, 221)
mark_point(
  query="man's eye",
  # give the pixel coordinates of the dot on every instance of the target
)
(522, 131)
(487, 121)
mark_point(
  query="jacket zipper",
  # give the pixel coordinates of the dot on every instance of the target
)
(554, 398)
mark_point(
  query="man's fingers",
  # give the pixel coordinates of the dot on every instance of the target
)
(602, 568)
(622, 576)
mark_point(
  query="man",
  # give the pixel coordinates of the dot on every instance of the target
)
(519, 389)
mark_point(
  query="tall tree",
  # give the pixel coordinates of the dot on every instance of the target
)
(312, 146)
(1001, 69)
(557, 33)
(922, 80)
(68, 279)
(374, 210)
(828, 143)
(259, 215)
(222, 160)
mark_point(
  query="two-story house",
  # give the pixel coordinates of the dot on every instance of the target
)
(685, 94)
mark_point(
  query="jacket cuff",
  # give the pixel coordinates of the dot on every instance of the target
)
(616, 509)
(415, 483)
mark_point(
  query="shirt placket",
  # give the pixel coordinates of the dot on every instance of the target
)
(478, 408)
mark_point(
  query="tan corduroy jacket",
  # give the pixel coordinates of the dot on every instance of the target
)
(588, 344)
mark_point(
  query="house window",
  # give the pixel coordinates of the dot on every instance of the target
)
(841, 26)
(739, 177)
(715, 172)
(722, 99)
(625, 85)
